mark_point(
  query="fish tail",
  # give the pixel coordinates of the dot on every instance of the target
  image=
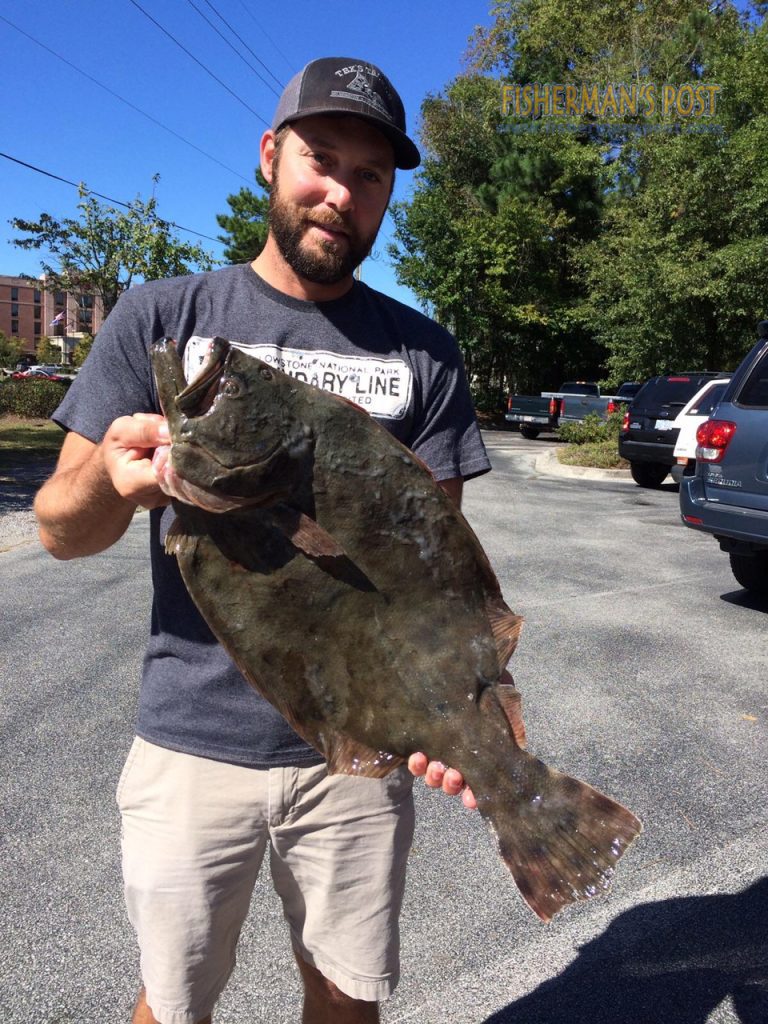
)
(562, 840)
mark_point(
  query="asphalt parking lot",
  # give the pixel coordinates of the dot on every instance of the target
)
(642, 666)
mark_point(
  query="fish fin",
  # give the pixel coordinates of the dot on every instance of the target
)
(346, 756)
(512, 705)
(305, 533)
(505, 626)
(561, 838)
(177, 540)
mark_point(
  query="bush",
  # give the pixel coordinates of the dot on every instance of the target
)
(592, 429)
(34, 399)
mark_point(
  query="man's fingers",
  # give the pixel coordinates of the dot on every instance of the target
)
(438, 776)
(142, 430)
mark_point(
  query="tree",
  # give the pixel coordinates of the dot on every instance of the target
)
(81, 349)
(246, 226)
(607, 249)
(10, 350)
(106, 250)
(47, 352)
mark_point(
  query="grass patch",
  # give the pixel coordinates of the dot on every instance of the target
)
(23, 439)
(598, 454)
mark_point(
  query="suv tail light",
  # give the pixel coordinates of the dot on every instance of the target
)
(553, 406)
(611, 407)
(712, 438)
(625, 421)
(509, 404)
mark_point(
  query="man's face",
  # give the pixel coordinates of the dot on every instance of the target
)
(331, 182)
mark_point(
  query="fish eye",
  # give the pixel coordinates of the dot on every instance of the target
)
(230, 387)
(266, 374)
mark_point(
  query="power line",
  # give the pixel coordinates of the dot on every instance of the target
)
(91, 192)
(237, 36)
(261, 28)
(181, 46)
(122, 99)
(234, 49)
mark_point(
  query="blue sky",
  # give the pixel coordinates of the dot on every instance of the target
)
(54, 118)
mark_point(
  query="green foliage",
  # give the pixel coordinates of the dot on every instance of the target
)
(105, 250)
(246, 226)
(592, 429)
(47, 352)
(81, 349)
(10, 350)
(577, 254)
(31, 398)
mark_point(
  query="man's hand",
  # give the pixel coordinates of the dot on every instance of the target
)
(438, 776)
(89, 501)
(127, 451)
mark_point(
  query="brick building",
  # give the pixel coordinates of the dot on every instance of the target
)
(29, 311)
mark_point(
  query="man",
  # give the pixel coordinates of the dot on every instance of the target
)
(215, 775)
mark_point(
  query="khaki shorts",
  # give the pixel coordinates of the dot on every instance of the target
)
(194, 835)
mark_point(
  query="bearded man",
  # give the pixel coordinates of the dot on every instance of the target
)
(215, 776)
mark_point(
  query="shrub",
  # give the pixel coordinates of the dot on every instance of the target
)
(35, 399)
(592, 429)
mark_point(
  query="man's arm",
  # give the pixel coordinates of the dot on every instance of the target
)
(89, 501)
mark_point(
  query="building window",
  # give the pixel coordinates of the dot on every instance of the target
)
(15, 328)
(14, 294)
(38, 296)
(59, 298)
(15, 307)
(38, 328)
(37, 312)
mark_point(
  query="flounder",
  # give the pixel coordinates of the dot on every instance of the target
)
(353, 595)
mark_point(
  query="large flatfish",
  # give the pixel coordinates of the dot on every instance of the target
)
(352, 594)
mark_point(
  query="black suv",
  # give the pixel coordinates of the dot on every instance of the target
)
(647, 438)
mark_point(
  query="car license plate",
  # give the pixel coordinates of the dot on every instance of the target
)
(664, 424)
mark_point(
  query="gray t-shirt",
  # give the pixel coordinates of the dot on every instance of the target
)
(399, 365)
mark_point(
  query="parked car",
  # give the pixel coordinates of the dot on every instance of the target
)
(688, 421)
(648, 434)
(728, 495)
(39, 373)
(575, 400)
(627, 391)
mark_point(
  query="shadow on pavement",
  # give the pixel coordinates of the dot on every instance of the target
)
(746, 599)
(671, 962)
(19, 482)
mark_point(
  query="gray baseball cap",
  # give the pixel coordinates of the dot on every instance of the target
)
(345, 85)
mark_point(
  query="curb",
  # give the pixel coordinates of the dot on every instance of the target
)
(549, 463)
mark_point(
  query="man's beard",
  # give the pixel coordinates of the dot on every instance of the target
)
(326, 263)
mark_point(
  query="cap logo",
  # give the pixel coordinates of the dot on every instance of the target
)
(360, 89)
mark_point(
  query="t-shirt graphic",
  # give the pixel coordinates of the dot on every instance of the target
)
(381, 386)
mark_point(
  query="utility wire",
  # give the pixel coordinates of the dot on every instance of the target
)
(237, 36)
(234, 49)
(122, 99)
(90, 192)
(261, 28)
(181, 46)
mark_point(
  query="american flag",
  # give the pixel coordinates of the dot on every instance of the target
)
(57, 319)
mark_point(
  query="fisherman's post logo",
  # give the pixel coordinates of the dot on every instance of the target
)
(652, 106)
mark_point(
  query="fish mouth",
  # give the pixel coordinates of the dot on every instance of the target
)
(199, 396)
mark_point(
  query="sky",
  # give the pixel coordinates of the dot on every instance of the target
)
(57, 120)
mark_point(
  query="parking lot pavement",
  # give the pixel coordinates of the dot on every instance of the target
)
(642, 667)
